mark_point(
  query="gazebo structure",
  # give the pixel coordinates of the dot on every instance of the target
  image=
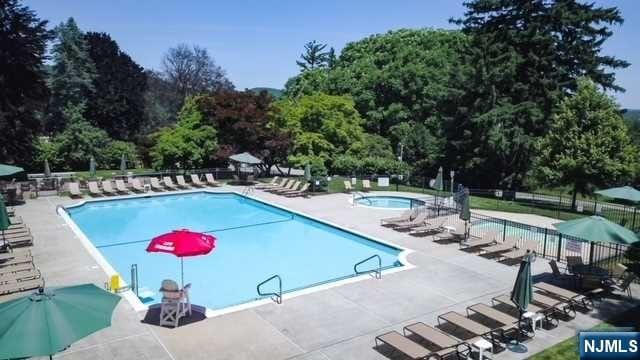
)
(242, 160)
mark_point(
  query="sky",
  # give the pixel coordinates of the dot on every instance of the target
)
(258, 41)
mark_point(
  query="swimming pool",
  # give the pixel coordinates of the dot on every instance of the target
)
(254, 241)
(389, 202)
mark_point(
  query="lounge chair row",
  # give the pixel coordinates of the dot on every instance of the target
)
(136, 185)
(285, 187)
(490, 243)
(498, 324)
(17, 235)
(366, 186)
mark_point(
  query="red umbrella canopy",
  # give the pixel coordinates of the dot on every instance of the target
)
(182, 243)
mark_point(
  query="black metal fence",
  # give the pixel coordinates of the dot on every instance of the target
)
(550, 243)
(561, 207)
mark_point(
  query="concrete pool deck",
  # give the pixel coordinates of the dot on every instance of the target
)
(337, 323)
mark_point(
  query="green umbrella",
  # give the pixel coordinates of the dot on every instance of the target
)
(6, 170)
(623, 193)
(465, 212)
(4, 219)
(522, 292)
(123, 164)
(597, 229)
(47, 169)
(92, 167)
(438, 183)
(307, 172)
(4, 215)
(50, 320)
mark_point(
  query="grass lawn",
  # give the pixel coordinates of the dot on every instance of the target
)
(569, 349)
(108, 174)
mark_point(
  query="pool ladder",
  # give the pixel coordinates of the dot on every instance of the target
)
(275, 296)
(247, 190)
(355, 195)
(377, 271)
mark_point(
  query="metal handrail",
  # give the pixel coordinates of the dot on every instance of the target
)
(134, 278)
(377, 271)
(353, 194)
(278, 295)
(247, 190)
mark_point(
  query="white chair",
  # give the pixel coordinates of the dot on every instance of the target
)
(175, 303)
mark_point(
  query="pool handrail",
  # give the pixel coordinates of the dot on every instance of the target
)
(278, 295)
(378, 271)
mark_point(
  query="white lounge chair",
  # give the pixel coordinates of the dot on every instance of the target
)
(121, 187)
(155, 184)
(195, 181)
(94, 189)
(108, 188)
(74, 189)
(211, 181)
(169, 183)
(181, 183)
(136, 185)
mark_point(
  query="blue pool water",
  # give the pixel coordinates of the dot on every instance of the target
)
(389, 202)
(255, 241)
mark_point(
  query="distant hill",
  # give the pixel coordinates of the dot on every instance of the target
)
(632, 115)
(276, 93)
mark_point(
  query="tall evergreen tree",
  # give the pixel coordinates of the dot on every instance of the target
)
(72, 74)
(23, 90)
(117, 103)
(313, 56)
(543, 46)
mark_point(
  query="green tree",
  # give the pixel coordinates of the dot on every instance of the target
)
(371, 145)
(117, 104)
(114, 151)
(190, 144)
(242, 121)
(587, 145)
(523, 58)
(420, 147)
(79, 141)
(313, 56)
(72, 74)
(307, 83)
(23, 90)
(400, 76)
(321, 125)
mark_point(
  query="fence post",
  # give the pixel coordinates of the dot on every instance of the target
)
(558, 207)
(424, 184)
(504, 230)
(544, 247)
(591, 247)
(633, 222)
(559, 247)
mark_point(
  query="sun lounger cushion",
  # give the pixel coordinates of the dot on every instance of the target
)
(404, 345)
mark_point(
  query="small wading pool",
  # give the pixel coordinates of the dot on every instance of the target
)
(389, 202)
(254, 241)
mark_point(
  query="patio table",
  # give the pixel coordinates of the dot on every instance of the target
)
(584, 270)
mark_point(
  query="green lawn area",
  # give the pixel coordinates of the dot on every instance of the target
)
(569, 350)
(108, 174)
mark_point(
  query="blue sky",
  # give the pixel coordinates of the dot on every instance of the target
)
(258, 42)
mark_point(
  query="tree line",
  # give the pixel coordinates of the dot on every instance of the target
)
(514, 98)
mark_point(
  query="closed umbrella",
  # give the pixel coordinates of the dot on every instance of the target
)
(623, 193)
(50, 320)
(92, 167)
(307, 172)
(183, 243)
(522, 292)
(47, 169)
(438, 185)
(123, 164)
(4, 218)
(465, 213)
(597, 229)
(7, 170)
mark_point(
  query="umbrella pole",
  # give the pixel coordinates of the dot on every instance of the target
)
(182, 273)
